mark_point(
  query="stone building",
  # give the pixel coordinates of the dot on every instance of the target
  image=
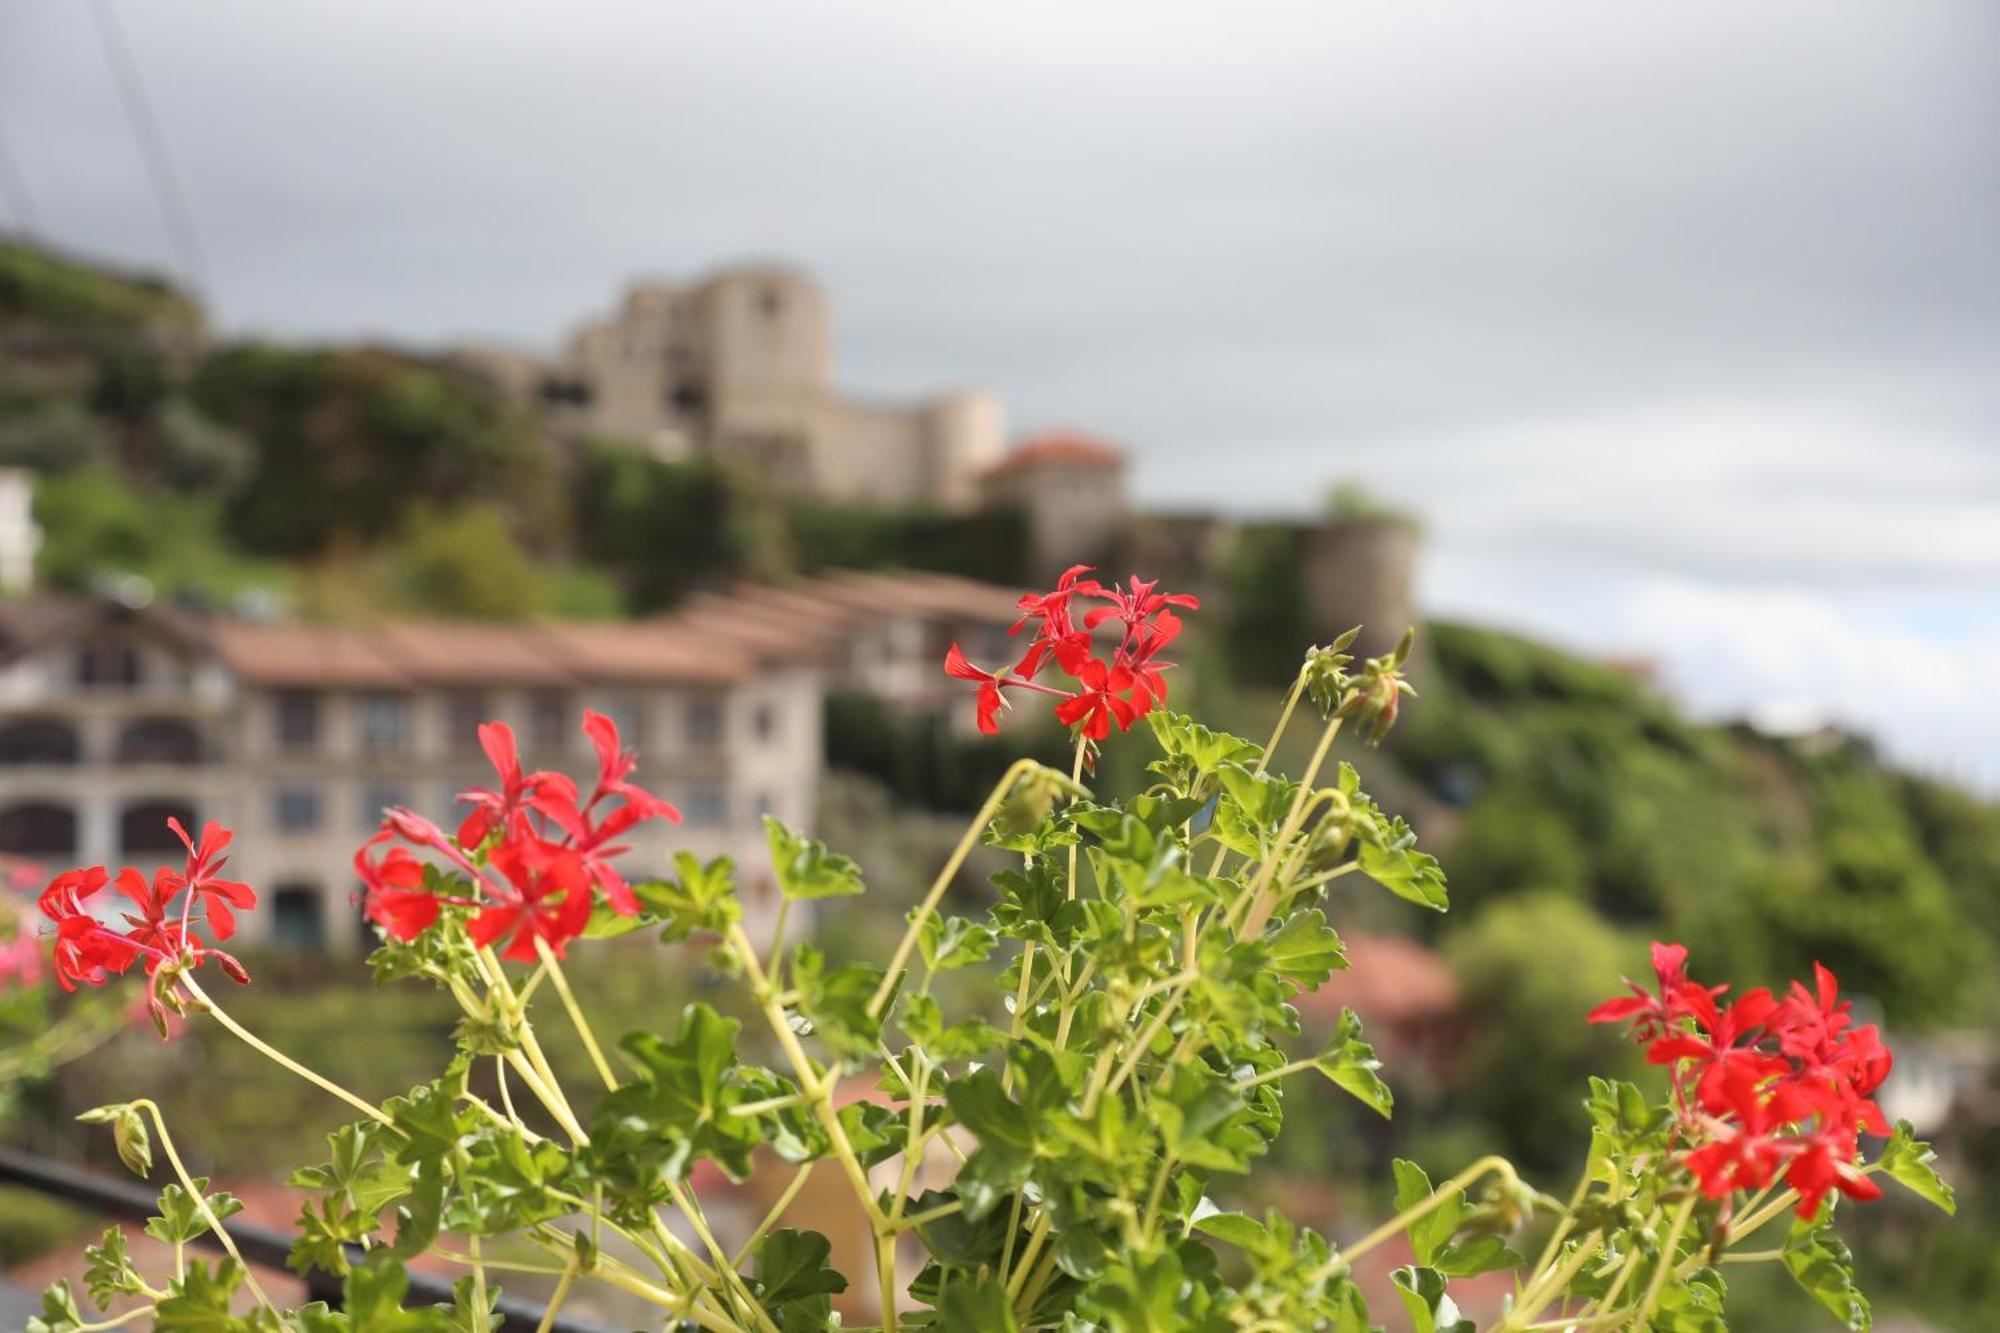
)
(738, 367)
(114, 717)
(1070, 490)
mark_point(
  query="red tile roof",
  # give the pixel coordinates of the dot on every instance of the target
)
(1060, 447)
(714, 639)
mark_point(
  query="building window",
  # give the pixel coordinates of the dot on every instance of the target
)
(704, 722)
(772, 303)
(142, 828)
(464, 711)
(298, 719)
(377, 797)
(550, 717)
(39, 740)
(295, 809)
(765, 722)
(159, 740)
(296, 919)
(704, 807)
(38, 828)
(108, 666)
(381, 722)
(767, 804)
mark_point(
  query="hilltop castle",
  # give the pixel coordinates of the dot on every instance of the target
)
(737, 367)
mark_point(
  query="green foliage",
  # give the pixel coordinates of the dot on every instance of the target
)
(41, 287)
(349, 442)
(93, 523)
(1149, 950)
(664, 529)
(923, 761)
(1264, 584)
(1531, 966)
(991, 545)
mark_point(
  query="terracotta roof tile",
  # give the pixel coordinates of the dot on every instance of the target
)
(1061, 447)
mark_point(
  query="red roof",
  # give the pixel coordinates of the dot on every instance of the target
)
(1066, 447)
(1388, 979)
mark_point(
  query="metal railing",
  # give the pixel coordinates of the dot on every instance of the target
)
(264, 1247)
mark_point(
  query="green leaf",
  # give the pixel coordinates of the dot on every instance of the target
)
(108, 1270)
(1476, 1255)
(979, 1304)
(1350, 1062)
(59, 1313)
(180, 1220)
(836, 1003)
(806, 869)
(650, 1130)
(1821, 1263)
(703, 898)
(198, 1302)
(792, 1266)
(1193, 750)
(1394, 862)
(1431, 1308)
(1143, 1296)
(949, 943)
(1429, 1233)
(374, 1298)
(1238, 1229)
(1193, 1112)
(923, 1021)
(1306, 949)
(1908, 1160)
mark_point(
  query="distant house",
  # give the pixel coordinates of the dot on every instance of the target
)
(1404, 993)
(112, 718)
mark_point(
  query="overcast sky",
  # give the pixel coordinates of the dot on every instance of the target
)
(1679, 324)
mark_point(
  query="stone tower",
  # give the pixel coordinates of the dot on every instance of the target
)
(1362, 571)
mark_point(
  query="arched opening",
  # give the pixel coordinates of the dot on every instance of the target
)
(142, 828)
(39, 740)
(39, 829)
(296, 919)
(159, 740)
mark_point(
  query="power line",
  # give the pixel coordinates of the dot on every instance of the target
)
(14, 189)
(152, 146)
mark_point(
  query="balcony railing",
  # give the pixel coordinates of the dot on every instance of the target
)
(264, 1247)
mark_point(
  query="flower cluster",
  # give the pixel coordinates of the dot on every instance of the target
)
(1121, 688)
(20, 951)
(1763, 1086)
(163, 930)
(534, 849)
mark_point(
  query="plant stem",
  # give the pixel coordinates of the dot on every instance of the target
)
(1666, 1263)
(272, 1053)
(576, 1018)
(1548, 1288)
(222, 1236)
(1343, 1259)
(1263, 901)
(791, 1192)
(901, 958)
(556, 1298)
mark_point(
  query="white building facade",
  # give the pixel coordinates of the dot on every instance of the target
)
(296, 737)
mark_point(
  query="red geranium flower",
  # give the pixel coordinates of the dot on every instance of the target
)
(1122, 689)
(394, 896)
(546, 896)
(990, 701)
(1099, 701)
(519, 792)
(204, 863)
